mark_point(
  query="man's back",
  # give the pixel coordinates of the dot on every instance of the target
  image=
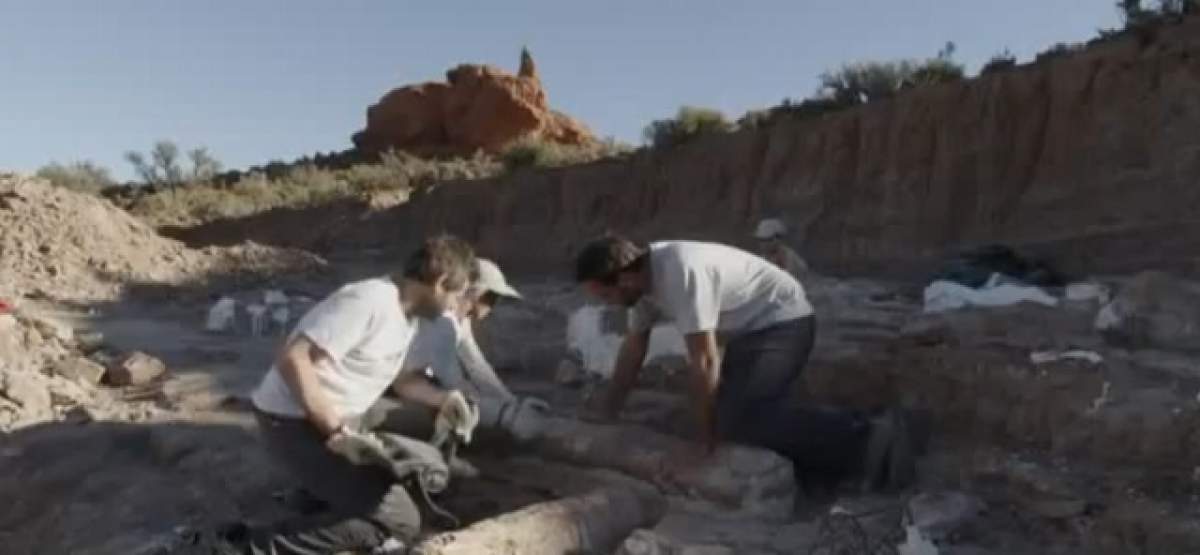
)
(708, 286)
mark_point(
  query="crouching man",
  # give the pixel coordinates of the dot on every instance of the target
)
(445, 351)
(336, 364)
(718, 294)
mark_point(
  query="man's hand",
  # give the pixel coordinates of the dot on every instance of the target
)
(528, 419)
(457, 417)
(360, 448)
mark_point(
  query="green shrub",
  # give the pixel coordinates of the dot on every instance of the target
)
(935, 72)
(530, 152)
(83, 176)
(1003, 61)
(810, 107)
(1059, 50)
(863, 82)
(756, 119)
(1136, 15)
(164, 169)
(301, 185)
(689, 122)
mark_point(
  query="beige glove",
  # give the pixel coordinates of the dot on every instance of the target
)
(359, 448)
(526, 420)
(457, 417)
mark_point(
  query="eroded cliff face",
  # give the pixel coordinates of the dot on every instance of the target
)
(1092, 159)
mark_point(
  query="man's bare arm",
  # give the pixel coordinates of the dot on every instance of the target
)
(414, 387)
(297, 366)
(704, 360)
(625, 373)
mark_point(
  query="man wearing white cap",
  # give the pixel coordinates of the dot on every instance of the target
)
(770, 234)
(446, 350)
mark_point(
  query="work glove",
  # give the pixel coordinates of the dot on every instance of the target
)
(456, 419)
(525, 418)
(412, 458)
(360, 448)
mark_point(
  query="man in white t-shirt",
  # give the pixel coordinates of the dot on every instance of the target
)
(718, 295)
(445, 349)
(341, 357)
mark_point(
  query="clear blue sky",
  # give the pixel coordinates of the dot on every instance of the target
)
(266, 79)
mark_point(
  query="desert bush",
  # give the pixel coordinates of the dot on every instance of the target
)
(530, 152)
(863, 82)
(811, 107)
(1003, 61)
(303, 185)
(689, 122)
(164, 167)
(1135, 13)
(756, 119)
(85, 176)
(938, 69)
(1059, 50)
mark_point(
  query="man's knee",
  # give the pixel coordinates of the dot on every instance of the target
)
(398, 515)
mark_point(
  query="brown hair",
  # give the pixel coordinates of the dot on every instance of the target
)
(604, 258)
(443, 255)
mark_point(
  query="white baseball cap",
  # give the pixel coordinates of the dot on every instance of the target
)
(770, 228)
(491, 279)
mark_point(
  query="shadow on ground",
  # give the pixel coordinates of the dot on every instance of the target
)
(111, 487)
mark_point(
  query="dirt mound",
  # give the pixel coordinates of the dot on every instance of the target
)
(65, 245)
(479, 107)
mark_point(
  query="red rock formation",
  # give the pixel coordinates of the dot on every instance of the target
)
(479, 107)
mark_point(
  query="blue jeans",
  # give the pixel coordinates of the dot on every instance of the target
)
(757, 404)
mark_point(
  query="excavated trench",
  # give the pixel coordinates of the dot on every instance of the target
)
(1057, 457)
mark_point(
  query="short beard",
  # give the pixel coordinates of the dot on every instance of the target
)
(427, 310)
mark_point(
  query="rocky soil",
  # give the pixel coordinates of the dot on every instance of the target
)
(1027, 458)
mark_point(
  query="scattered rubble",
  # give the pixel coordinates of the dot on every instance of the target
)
(135, 368)
(45, 375)
(81, 370)
(1154, 310)
(938, 515)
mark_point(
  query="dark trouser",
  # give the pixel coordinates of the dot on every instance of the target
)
(366, 505)
(756, 404)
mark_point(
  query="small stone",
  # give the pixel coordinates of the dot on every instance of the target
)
(1057, 509)
(80, 415)
(90, 341)
(52, 329)
(80, 369)
(569, 372)
(937, 515)
(27, 391)
(134, 369)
